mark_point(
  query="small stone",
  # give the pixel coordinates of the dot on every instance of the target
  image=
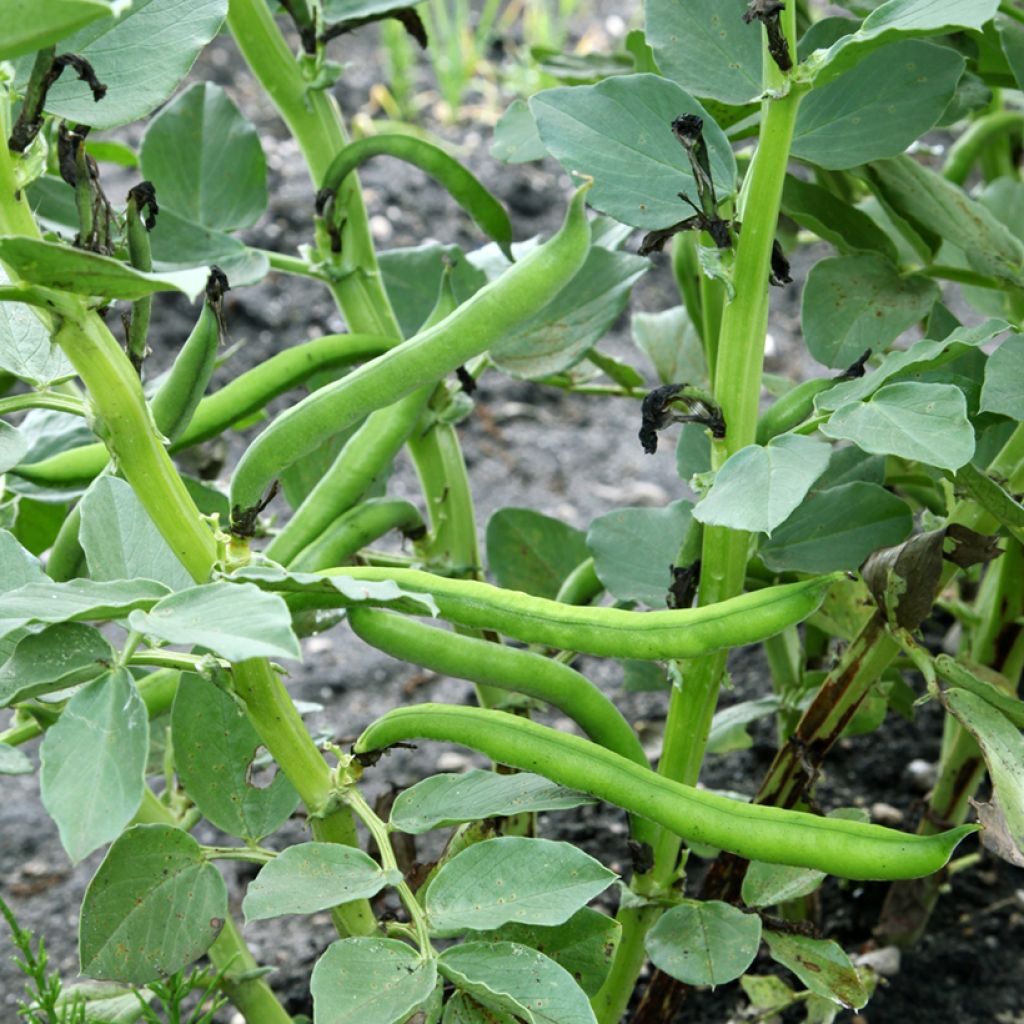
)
(380, 228)
(886, 814)
(452, 761)
(922, 774)
(884, 961)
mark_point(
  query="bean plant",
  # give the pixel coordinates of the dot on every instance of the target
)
(146, 616)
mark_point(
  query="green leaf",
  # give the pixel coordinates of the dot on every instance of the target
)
(759, 486)
(529, 881)
(453, 799)
(464, 1009)
(706, 943)
(634, 550)
(13, 761)
(370, 981)
(821, 965)
(413, 280)
(902, 19)
(1011, 39)
(693, 451)
(559, 335)
(619, 132)
(852, 303)
(104, 1003)
(178, 244)
(1003, 391)
(154, 906)
(768, 885)
(926, 422)
(93, 762)
(532, 552)
(75, 601)
(879, 107)
(13, 446)
(26, 350)
(313, 876)
(236, 621)
(56, 265)
(706, 47)
(120, 540)
(849, 229)
(60, 656)
(214, 750)
(25, 31)
(336, 591)
(511, 978)
(584, 945)
(140, 57)
(672, 344)
(205, 160)
(729, 726)
(923, 355)
(1003, 749)
(17, 566)
(837, 529)
(767, 992)
(515, 136)
(922, 196)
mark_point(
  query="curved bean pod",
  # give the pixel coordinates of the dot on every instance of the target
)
(606, 632)
(462, 186)
(469, 331)
(506, 668)
(791, 409)
(237, 400)
(846, 849)
(357, 528)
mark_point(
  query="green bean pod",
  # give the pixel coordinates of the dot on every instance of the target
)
(846, 849)
(607, 632)
(355, 529)
(469, 331)
(237, 400)
(180, 393)
(462, 186)
(791, 409)
(506, 668)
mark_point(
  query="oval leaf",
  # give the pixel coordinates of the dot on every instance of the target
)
(619, 132)
(59, 656)
(313, 876)
(529, 881)
(25, 31)
(759, 487)
(821, 965)
(13, 446)
(214, 747)
(444, 800)
(154, 906)
(206, 161)
(94, 761)
(768, 885)
(532, 552)
(236, 621)
(1003, 391)
(511, 978)
(634, 550)
(704, 943)
(926, 422)
(838, 529)
(370, 981)
(26, 350)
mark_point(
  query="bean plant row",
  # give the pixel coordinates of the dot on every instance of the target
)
(147, 617)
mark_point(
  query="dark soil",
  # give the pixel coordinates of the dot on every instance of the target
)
(570, 457)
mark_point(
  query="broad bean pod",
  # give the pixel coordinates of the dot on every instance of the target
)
(355, 529)
(846, 849)
(607, 632)
(237, 400)
(791, 409)
(462, 186)
(181, 391)
(470, 330)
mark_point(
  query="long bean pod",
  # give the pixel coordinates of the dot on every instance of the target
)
(469, 331)
(847, 849)
(462, 186)
(237, 400)
(606, 632)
